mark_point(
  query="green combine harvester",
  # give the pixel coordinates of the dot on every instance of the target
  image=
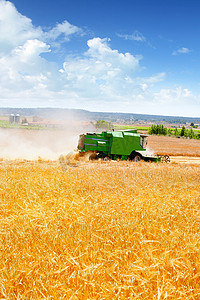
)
(114, 145)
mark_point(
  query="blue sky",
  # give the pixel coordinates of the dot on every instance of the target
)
(120, 56)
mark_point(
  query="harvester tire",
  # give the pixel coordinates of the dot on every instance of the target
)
(137, 158)
(165, 158)
(93, 156)
(106, 158)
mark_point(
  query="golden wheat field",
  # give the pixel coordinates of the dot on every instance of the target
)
(103, 230)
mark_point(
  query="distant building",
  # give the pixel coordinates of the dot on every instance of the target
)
(17, 119)
(11, 118)
(14, 119)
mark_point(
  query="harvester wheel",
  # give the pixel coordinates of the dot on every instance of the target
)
(137, 158)
(106, 158)
(93, 156)
(165, 158)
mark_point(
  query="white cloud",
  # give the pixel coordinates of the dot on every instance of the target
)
(102, 71)
(102, 78)
(100, 51)
(16, 29)
(182, 50)
(155, 78)
(136, 36)
(30, 50)
(178, 95)
(66, 29)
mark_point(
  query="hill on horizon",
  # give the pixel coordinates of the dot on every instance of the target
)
(65, 113)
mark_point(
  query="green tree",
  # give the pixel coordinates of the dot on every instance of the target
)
(191, 134)
(157, 129)
(176, 131)
(183, 131)
(102, 124)
(169, 131)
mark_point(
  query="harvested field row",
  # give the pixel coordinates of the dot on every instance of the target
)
(103, 230)
(185, 159)
(165, 145)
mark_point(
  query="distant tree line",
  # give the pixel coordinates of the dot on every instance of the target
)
(101, 124)
(158, 129)
(183, 132)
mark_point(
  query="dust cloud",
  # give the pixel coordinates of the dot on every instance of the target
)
(31, 144)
